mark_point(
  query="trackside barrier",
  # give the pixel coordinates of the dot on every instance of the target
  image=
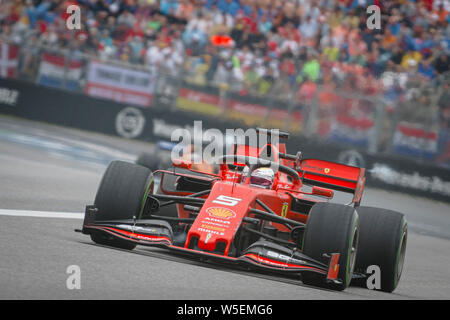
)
(30, 101)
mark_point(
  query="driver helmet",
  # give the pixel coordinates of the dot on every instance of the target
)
(262, 177)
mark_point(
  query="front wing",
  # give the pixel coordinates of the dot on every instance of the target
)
(262, 255)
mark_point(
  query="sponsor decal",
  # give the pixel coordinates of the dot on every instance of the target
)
(132, 234)
(210, 231)
(284, 264)
(250, 114)
(120, 84)
(8, 96)
(231, 176)
(210, 227)
(279, 118)
(414, 180)
(214, 222)
(162, 128)
(222, 223)
(198, 101)
(130, 123)
(222, 213)
(142, 236)
(278, 256)
(308, 166)
(327, 170)
(286, 261)
(208, 236)
(135, 228)
(270, 262)
(284, 209)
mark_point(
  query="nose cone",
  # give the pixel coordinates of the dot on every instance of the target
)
(220, 218)
(221, 213)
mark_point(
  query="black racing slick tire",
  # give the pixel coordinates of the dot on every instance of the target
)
(148, 160)
(331, 228)
(382, 243)
(121, 195)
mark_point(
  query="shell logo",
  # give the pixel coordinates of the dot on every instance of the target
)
(219, 212)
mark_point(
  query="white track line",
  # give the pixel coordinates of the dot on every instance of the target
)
(41, 214)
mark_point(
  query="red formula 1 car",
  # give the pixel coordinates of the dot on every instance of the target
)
(264, 209)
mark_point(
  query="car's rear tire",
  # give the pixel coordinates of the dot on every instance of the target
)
(148, 160)
(121, 195)
(382, 243)
(331, 228)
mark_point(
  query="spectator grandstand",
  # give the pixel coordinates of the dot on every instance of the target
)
(281, 48)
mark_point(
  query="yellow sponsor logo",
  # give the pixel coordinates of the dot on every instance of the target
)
(209, 227)
(219, 212)
(284, 209)
(198, 106)
(326, 170)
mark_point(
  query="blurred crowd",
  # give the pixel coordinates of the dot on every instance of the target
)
(285, 48)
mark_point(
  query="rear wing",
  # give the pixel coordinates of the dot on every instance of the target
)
(334, 176)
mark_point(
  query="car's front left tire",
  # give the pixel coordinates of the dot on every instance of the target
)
(121, 195)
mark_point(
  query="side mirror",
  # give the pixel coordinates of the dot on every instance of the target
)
(318, 191)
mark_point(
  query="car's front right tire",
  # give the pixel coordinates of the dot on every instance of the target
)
(331, 228)
(383, 239)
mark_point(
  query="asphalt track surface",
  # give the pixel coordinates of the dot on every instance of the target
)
(48, 174)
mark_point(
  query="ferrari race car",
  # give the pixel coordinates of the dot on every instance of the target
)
(162, 157)
(264, 210)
